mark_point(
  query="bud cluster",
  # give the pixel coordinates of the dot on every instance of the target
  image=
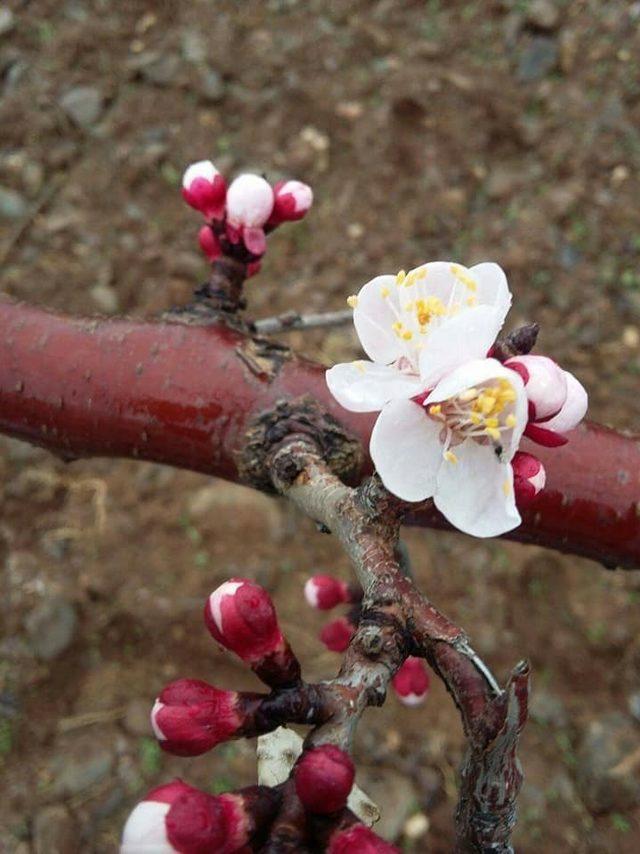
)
(239, 216)
(324, 592)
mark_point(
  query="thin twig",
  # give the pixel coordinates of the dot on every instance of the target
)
(291, 320)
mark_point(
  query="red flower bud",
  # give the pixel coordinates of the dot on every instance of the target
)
(292, 200)
(198, 823)
(190, 717)
(325, 592)
(361, 840)
(324, 776)
(204, 189)
(337, 634)
(146, 828)
(411, 682)
(241, 617)
(529, 477)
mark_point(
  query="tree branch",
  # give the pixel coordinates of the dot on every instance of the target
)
(398, 620)
(189, 394)
(291, 320)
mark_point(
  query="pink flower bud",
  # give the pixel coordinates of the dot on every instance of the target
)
(292, 199)
(324, 776)
(190, 717)
(411, 682)
(360, 839)
(337, 634)
(204, 188)
(544, 382)
(146, 828)
(529, 477)
(325, 592)
(574, 409)
(249, 205)
(209, 243)
(241, 617)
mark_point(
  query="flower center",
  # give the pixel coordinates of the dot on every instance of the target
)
(481, 414)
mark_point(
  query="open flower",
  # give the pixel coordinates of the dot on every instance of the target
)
(417, 327)
(456, 446)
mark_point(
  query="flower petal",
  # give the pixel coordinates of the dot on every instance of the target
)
(366, 387)
(374, 317)
(466, 336)
(574, 409)
(406, 450)
(493, 289)
(476, 493)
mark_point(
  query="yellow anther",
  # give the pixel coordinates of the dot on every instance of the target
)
(359, 366)
(352, 301)
(450, 457)
(486, 402)
(472, 301)
(428, 308)
(491, 422)
(510, 420)
(493, 433)
(421, 272)
(397, 326)
(410, 280)
(407, 335)
(400, 277)
(468, 395)
(475, 417)
(384, 293)
(506, 488)
(435, 409)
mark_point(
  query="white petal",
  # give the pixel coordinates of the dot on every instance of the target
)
(249, 201)
(468, 335)
(406, 450)
(366, 387)
(476, 493)
(437, 279)
(157, 707)
(202, 169)
(228, 588)
(493, 289)
(145, 831)
(374, 317)
(574, 409)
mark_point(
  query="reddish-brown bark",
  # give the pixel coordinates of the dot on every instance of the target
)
(185, 394)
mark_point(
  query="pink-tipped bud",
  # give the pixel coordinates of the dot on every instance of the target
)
(324, 777)
(544, 383)
(574, 409)
(249, 206)
(325, 592)
(529, 477)
(146, 828)
(209, 243)
(241, 617)
(292, 199)
(190, 717)
(204, 188)
(360, 839)
(198, 823)
(411, 682)
(337, 634)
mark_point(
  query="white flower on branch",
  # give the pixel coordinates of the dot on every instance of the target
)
(417, 327)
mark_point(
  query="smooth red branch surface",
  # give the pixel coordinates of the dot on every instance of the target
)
(185, 395)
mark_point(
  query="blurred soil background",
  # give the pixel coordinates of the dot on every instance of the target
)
(466, 130)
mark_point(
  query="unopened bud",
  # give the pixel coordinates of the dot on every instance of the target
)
(190, 717)
(204, 188)
(249, 205)
(324, 776)
(292, 200)
(325, 592)
(146, 829)
(411, 682)
(360, 839)
(336, 635)
(529, 477)
(241, 617)
(544, 382)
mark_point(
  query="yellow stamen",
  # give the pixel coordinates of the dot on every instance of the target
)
(491, 422)
(450, 457)
(510, 420)
(400, 277)
(435, 409)
(407, 335)
(385, 292)
(352, 301)
(493, 433)
(506, 488)
(359, 366)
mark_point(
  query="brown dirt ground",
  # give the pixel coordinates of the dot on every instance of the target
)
(421, 139)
